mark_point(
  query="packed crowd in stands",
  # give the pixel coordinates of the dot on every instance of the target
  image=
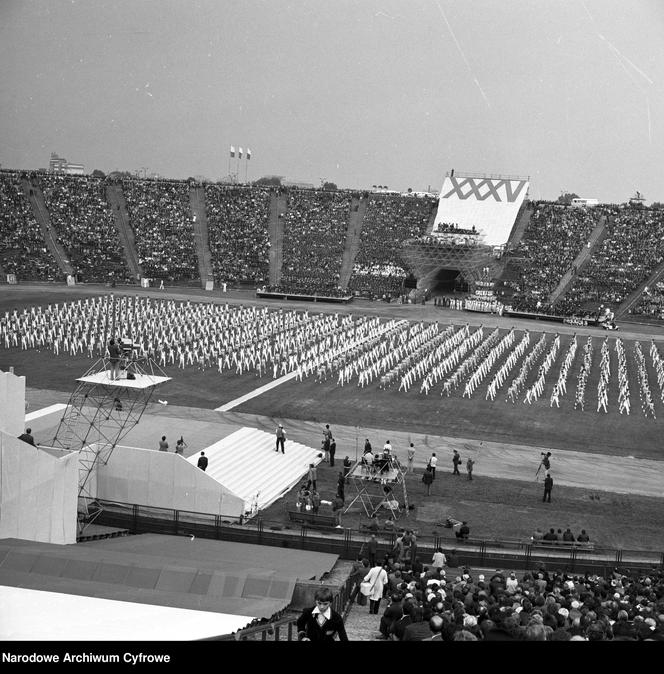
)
(651, 303)
(309, 290)
(85, 227)
(23, 251)
(238, 233)
(633, 248)
(554, 237)
(426, 602)
(388, 221)
(453, 228)
(315, 228)
(160, 215)
(444, 240)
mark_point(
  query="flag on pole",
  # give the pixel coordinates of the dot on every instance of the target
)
(239, 152)
(248, 154)
(232, 151)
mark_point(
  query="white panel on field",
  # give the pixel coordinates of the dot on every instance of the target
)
(163, 480)
(488, 204)
(12, 403)
(38, 493)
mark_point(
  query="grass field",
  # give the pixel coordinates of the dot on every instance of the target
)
(500, 508)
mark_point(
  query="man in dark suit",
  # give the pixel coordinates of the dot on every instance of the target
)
(27, 437)
(202, 461)
(548, 486)
(321, 622)
(392, 613)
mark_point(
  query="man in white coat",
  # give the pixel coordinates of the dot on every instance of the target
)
(377, 577)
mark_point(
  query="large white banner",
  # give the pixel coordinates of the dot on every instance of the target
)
(488, 204)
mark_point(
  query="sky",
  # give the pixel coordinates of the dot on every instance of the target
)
(355, 92)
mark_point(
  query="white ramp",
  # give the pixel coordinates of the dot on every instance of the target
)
(246, 464)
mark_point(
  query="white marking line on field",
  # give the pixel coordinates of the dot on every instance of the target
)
(51, 409)
(256, 392)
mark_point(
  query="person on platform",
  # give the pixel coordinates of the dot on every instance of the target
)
(27, 437)
(114, 355)
(281, 438)
(321, 622)
(163, 445)
(202, 461)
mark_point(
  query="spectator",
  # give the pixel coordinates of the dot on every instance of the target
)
(321, 622)
(27, 437)
(202, 461)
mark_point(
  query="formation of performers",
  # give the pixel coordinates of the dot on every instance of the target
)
(350, 349)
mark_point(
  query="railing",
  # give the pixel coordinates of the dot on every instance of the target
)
(347, 542)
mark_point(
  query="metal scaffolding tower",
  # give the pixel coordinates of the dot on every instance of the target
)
(380, 485)
(100, 412)
(426, 255)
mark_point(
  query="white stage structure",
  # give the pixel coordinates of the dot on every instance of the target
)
(246, 464)
(163, 480)
(37, 490)
(12, 403)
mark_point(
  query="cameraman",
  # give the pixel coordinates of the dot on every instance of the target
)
(544, 463)
(114, 353)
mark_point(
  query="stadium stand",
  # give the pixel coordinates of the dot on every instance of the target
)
(238, 233)
(389, 220)
(552, 240)
(85, 226)
(160, 216)
(23, 251)
(651, 304)
(630, 252)
(315, 227)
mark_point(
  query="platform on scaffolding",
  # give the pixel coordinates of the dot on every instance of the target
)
(140, 380)
(378, 485)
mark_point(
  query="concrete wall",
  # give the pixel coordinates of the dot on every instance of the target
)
(38, 493)
(12, 403)
(163, 480)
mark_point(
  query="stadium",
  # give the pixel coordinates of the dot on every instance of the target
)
(430, 414)
(499, 387)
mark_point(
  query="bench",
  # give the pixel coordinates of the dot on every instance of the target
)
(562, 545)
(312, 519)
(381, 531)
